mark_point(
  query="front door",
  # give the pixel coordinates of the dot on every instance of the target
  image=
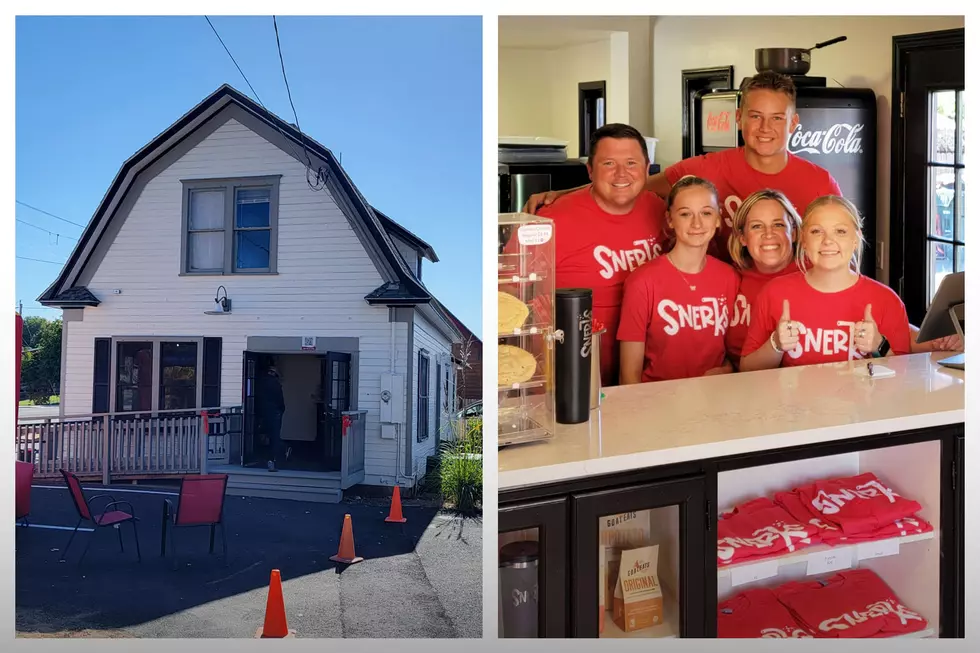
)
(248, 408)
(337, 390)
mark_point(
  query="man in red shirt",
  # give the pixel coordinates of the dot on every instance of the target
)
(766, 117)
(608, 229)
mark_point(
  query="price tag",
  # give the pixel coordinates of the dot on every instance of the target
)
(880, 549)
(534, 234)
(822, 562)
(750, 573)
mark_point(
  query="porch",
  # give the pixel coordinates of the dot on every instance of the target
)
(113, 447)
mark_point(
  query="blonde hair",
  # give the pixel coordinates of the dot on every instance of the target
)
(738, 251)
(852, 212)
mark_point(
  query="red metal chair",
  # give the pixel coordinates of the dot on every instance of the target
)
(106, 518)
(201, 503)
(22, 491)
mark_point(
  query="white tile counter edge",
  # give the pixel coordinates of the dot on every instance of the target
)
(616, 464)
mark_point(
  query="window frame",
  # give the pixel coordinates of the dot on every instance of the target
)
(422, 396)
(230, 186)
(155, 386)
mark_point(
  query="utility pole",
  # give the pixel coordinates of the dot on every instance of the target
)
(20, 307)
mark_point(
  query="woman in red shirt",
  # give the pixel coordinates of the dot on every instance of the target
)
(676, 307)
(829, 312)
(762, 246)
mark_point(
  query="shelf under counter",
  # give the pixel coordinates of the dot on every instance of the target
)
(672, 422)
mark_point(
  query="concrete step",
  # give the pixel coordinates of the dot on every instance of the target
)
(326, 495)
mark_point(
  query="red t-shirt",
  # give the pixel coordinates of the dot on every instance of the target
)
(853, 603)
(832, 535)
(684, 329)
(760, 528)
(827, 319)
(750, 283)
(801, 181)
(755, 614)
(598, 250)
(857, 504)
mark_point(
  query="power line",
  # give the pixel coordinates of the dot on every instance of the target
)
(37, 260)
(56, 217)
(52, 233)
(282, 65)
(233, 59)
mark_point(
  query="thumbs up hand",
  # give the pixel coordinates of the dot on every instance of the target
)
(866, 336)
(787, 333)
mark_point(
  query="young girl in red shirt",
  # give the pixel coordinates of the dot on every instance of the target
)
(829, 312)
(676, 308)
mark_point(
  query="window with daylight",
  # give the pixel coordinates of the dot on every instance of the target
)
(178, 375)
(423, 397)
(158, 374)
(230, 226)
(945, 173)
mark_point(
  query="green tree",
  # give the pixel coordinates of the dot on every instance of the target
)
(41, 366)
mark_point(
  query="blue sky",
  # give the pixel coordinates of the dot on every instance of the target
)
(399, 98)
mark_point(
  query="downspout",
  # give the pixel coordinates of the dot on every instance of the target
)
(398, 431)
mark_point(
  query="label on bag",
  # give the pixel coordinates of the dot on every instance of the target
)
(534, 234)
(821, 562)
(750, 573)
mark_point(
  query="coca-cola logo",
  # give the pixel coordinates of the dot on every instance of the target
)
(840, 138)
(719, 122)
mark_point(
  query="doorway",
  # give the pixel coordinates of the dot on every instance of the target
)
(591, 113)
(927, 203)
(316, 391)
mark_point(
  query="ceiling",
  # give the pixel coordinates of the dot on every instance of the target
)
(552, 32)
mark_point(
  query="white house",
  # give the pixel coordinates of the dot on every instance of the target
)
(233, 202)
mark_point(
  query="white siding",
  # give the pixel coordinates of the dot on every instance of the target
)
(409, 253)
(324, 274)
(427, 337)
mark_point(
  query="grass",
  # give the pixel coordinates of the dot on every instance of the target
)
(52, 400)
(460, 468)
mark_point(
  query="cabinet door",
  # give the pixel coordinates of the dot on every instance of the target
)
(533, 566)
(638, 561)
(959, 500)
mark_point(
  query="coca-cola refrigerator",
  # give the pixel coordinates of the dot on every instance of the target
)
(837, 131)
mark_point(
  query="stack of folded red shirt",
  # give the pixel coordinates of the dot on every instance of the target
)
(853, 509)
(850, 604)
(760, 528)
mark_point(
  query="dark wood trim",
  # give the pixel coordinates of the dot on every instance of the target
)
(583, 87)
(902, 46)
(713, 74)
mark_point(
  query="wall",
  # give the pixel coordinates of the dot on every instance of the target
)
(427, 337)
(524, 97)
(864, 61)
(324, 274)
(528, 105)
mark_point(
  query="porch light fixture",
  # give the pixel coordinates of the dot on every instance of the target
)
(222, 305)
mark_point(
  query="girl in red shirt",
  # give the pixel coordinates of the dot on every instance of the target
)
(829, 312)
(676, 307)
(762, 245)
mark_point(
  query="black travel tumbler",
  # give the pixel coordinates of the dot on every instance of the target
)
(573, 354)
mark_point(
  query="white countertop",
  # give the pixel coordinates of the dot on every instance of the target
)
(667, 422)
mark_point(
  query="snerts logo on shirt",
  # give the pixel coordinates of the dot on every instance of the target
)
(626, 260)
(741, 312)
(876, 610)
(787, 632)
(830, 503)
(826, 342)
(767, 537)
(713, 313)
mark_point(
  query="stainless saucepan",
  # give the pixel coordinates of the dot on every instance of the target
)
(788, 61)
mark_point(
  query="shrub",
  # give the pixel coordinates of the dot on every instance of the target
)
(461, 469)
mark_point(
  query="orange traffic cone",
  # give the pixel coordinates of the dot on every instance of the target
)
(275, 611)
(396, 508)
(345, 553)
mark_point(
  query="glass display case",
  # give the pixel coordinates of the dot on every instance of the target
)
(525, 328)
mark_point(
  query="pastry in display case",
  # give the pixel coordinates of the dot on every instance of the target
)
(525, 328)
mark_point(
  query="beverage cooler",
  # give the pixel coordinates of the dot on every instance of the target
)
(837, 131)
(852, 539)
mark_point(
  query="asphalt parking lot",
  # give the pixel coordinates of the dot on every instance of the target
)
(419, 579)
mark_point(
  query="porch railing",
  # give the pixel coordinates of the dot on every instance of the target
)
(130, 445)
